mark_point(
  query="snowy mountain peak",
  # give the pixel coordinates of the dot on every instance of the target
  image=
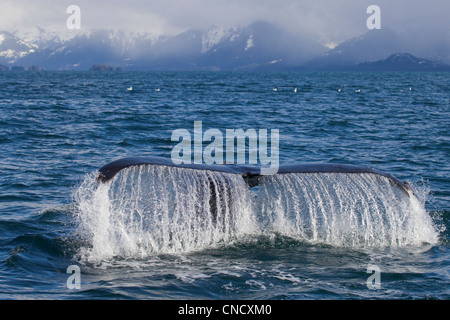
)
(13, 48)
(214, 36)
(257, 46)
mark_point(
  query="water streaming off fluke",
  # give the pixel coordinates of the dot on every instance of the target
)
(345, 209)
(150, 209)
(154, 209)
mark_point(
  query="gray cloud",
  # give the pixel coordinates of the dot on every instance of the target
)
(327, 20)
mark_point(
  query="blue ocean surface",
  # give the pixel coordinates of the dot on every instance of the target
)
(148, 234)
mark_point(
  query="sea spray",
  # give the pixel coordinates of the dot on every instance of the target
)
(152, 209)
(343, 209)
(155, 209)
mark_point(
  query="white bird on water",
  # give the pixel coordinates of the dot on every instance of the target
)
(130, 88)
(295, 90)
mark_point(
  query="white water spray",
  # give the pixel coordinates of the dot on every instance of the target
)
(157, 209)
(344, 209)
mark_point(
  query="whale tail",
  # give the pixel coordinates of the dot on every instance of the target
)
(251, 175)
(141, 206)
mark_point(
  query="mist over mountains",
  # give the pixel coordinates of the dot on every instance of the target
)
(257, 46)
(376, 45)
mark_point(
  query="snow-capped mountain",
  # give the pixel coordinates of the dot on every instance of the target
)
(13, 49)
(402, 62)
(376, 45)
(258, 45)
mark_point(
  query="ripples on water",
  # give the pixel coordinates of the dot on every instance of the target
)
(58, 128)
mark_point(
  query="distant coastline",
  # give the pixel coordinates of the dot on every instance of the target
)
(397, 62)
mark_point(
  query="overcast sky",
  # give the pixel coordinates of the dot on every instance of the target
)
(330, 21)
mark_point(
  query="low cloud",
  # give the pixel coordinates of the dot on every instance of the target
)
(329, 21)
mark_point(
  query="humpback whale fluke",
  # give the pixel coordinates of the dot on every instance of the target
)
(108, 171)
(145, 205)
(251, 174)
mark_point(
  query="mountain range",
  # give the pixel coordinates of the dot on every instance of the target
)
(402, 62)
(258, 46)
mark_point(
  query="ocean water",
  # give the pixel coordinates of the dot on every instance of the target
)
(150, 232)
